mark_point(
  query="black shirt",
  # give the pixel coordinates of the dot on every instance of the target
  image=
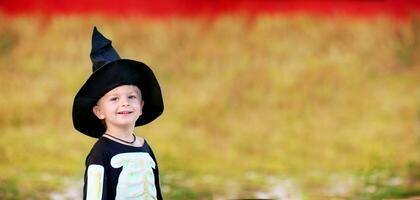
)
(118, 171)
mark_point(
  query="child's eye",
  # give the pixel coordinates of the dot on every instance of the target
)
(113, 99)
(132, 97)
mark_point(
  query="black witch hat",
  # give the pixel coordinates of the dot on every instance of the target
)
(109, 72)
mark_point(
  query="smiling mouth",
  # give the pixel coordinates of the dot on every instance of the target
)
(125, 112)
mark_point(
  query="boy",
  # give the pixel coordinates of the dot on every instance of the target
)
(119, 95)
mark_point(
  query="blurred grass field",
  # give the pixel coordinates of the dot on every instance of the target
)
(331, 106)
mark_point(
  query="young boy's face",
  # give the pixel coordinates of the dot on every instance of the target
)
(120, 107)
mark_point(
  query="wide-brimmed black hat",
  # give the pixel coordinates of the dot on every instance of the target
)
(109, 72)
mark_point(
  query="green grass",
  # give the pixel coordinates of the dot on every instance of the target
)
(306, 99)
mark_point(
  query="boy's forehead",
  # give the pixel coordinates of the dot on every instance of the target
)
(124, 89)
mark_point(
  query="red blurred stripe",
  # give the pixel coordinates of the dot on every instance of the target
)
(164, 8)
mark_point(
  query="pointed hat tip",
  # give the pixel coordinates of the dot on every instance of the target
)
(96, 32)
(99, 40)
(102, 51)
(95, 29)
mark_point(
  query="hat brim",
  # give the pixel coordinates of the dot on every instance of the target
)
(108, 77)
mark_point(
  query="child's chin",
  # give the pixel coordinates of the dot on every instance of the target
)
(123, 123)
(128, 122)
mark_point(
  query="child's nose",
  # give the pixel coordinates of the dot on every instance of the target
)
(124, 101)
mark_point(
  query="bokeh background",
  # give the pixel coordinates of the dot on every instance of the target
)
(263, 99)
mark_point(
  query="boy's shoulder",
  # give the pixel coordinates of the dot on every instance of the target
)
(100, 147)
(98, 153)
(100, 142)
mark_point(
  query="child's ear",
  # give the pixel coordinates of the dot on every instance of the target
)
(98, 112)
(141, 106)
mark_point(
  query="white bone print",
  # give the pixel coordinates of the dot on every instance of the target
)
(95, 179)
(136, 180)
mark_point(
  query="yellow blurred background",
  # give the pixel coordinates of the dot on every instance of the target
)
(294, 107)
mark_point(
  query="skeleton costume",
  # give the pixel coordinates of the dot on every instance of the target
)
(115, 170)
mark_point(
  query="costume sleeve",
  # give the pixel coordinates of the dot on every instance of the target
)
(95, 177)
(95, 180)
(156, 173)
